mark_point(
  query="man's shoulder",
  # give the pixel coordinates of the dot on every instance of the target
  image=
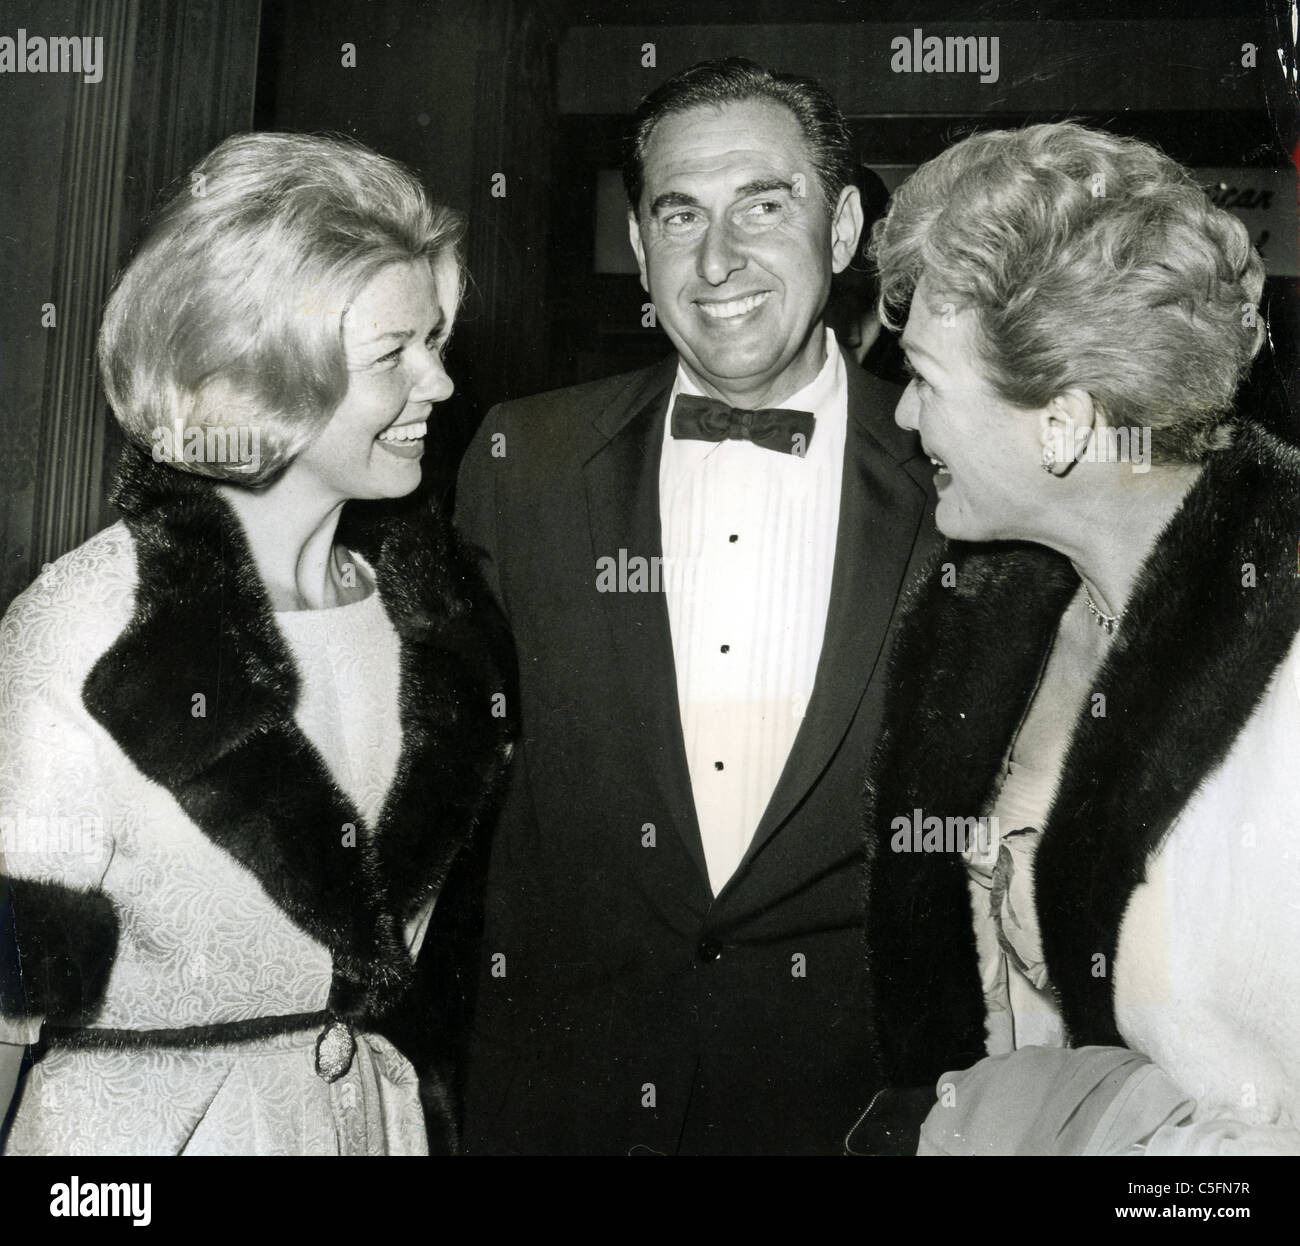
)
(547, 436)
(610, 393)
(872, 402)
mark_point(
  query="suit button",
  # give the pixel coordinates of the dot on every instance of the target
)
(709, 950)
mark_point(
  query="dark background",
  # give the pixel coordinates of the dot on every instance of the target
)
(538, 91)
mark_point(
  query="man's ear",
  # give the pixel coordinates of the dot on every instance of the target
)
(846, 228)
(634, 237)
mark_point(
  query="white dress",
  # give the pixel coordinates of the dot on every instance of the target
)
(1207, 967)
(200, 942)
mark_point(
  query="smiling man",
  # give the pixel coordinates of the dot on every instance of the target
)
(676, 956)
(736, 237)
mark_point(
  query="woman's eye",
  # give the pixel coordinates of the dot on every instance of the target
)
(391, 357)
(916, 378)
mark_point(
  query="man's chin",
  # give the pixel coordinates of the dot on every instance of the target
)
(738, 376)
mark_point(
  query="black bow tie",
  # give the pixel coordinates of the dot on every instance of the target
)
(773, 428)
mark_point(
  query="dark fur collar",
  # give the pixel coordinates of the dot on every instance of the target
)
(247, 776)
(1194, 657)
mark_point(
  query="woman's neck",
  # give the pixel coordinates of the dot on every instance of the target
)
(1115, 528)
(290, 533)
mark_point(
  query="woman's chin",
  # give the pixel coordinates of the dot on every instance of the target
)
(395, 479)
(400, 466)
(959, 524)
(401, 488)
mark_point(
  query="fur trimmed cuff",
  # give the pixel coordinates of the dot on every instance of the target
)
(57, 946)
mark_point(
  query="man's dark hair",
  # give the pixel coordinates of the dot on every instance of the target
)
(734, 80)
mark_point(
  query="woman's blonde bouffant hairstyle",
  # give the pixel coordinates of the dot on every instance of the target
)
(230, 313)
(1094, 262)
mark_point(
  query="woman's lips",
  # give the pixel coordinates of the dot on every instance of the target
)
(943, 468)
(405, 440)
(411, 431)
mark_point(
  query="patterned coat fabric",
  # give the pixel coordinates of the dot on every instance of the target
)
(177, 860)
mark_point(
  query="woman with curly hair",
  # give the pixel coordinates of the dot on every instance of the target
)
(1100, 679)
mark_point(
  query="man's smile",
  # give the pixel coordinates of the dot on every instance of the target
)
(733, 308)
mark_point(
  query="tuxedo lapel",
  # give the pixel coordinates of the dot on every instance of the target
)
(622, 482)
(882, 504)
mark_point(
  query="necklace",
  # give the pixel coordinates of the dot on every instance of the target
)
(1107, 622)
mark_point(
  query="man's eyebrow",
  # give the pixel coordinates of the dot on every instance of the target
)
(762, 186)
(672, 199)
(759, 186)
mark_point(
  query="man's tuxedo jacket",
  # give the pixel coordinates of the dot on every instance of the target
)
(621, 1007)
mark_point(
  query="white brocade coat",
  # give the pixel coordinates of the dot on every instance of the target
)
(202, 895)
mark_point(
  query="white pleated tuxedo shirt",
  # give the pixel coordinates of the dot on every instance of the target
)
(749, 549)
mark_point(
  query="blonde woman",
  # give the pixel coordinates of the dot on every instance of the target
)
(253, 720)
